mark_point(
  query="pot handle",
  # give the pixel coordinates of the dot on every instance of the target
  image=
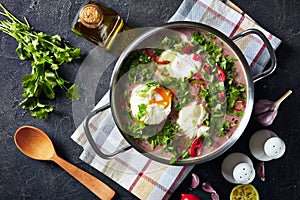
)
(90, 137)
(269, 47)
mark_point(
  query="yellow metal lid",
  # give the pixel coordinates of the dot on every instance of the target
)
(91, 16)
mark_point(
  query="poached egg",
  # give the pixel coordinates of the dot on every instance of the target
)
(191, 118)
(178, 65)
(150, 104)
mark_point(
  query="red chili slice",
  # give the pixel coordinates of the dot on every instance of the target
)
(196, 57)
(220, 74)
(189, 197)
(163, 62)
(221, 96)
(154, 59)
(196, 147)
(239, 105)
(207, 69)
(197, 75)
(150, 52)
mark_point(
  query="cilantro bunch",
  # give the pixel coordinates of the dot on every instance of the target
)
(47, 54)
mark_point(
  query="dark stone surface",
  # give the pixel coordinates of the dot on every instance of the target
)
(24, 178)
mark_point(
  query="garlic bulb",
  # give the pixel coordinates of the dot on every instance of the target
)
(266, 110)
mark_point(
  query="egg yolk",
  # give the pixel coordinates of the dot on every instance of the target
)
(165, 99)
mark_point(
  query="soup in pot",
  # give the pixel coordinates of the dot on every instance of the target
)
(181, 95)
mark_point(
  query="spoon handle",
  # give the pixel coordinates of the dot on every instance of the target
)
(99, 188)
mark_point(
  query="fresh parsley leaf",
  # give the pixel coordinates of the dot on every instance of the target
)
(47, 53)
(29, 103)
(48, 90)
(73, 93)
(41, 111)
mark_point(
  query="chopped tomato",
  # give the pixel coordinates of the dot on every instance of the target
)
(197, 75)
(150, 52)
(196, 147)
(196, 57)
(189, 197)
(188, 49)
(221, 96)
(207, 69)
(154, 59)
(239, 105)
(220, 74)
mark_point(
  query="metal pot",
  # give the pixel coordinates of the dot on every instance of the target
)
(114, 101)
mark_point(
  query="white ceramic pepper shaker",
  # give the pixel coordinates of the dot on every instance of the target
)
(265, 145)
(238, 168)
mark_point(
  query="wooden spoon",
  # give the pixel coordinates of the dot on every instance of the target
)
(35, 144)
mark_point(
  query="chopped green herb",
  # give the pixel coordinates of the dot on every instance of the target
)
(142, 111)
(234, 93)
(165, 136)
(158, 51)
(205, 94)
(223, 128)
(211, 36)
(144, 59)
(197, 38)
(170, 41)
(178, 47)
(149, 85)
(186, 154)
(172, 160)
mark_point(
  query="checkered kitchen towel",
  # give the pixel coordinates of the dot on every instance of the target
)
(143, 177)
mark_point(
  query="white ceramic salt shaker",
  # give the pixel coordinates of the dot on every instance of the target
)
(238, 168)
(265, 145)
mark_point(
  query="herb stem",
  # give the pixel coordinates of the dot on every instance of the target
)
(9, 15)
(278, 102)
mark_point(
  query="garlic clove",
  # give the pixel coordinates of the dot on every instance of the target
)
(207, 187)
(195, 181)
(261, 170)
(214, 196)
